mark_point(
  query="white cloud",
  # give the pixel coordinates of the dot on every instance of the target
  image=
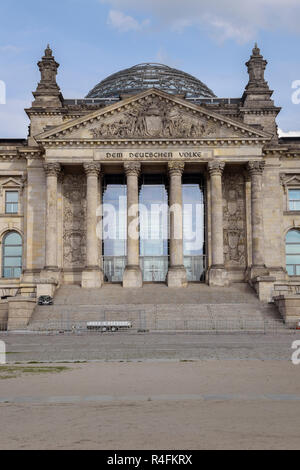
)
(225, 19)
(288, 134)
(124, 23)
(10, 48)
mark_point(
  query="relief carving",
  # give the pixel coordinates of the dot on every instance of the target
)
(155, 118)
(74, 237)
(234, 207)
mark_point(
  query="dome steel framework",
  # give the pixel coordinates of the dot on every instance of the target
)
(145, 76)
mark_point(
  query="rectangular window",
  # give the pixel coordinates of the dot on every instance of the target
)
(11, 202)
(294, 199)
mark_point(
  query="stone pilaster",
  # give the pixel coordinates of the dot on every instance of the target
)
(256, 169)
(92, 276)
(177, 276)
(217, 272)
(132, 275)
(52, 171)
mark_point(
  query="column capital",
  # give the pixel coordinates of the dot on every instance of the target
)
(52, 169)
(92, 168)
(256, 167)
(176, 168)
(216, 167)
(132, 168)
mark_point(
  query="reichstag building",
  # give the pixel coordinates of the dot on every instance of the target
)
(150, 137)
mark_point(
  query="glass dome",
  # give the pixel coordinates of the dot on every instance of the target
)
(145, 76)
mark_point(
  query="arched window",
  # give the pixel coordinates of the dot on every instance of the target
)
(293, 253)
(12, 255)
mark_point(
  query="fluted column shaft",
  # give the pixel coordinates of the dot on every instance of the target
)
(177, 276)
(92, 171)
(216, 169)
(52, 171)
(256, 169)
(176, 214)
(132, 171)
(132, 276)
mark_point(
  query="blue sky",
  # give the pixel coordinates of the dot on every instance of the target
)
(211, 39)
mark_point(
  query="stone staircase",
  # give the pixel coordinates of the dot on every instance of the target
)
(159, 308)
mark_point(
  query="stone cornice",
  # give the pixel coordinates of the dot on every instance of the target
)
(79, 143)
(31, 153)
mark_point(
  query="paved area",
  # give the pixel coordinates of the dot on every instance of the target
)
(129, 346)
(150, 391)
(214, 404)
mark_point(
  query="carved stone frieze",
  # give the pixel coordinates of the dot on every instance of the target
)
(153, 117)
(74, 233)
(234, 219)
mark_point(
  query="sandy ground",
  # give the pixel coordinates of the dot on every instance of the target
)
(206, 404)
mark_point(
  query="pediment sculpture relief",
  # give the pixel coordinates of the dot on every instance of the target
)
(155, 118)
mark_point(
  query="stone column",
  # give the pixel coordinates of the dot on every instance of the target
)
(92, 276)
(52, 171)
(217, 272)
(256, 169)
(177, 276)
(133, 275)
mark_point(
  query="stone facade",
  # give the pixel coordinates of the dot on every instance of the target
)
(58, 170)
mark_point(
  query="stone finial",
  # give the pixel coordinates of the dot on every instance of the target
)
(256, 167)
(92, 168)
(216, 167)
(256, 70)
(48, 91)
(132, 168)
(52, 169)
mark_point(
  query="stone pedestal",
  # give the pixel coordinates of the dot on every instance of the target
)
(217, 274)
(132, 276)
(20, 310)
(177, 276)
(92, 276)
(289, 308)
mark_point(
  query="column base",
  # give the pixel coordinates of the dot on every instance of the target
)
(177, 277)
(132, 277)
(92, 278)
(218, 276)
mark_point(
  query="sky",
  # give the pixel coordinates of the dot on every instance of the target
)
(91, 39)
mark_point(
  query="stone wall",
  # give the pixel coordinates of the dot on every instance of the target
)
(234, 219)
(74, 214)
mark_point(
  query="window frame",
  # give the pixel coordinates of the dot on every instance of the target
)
(15, 203)
(4, 256)
(295, 254)
(289, 200)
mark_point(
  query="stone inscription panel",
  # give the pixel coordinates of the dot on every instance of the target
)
(152, 155)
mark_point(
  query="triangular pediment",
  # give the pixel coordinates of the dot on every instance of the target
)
(152, 115)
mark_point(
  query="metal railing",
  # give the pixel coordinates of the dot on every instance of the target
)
(113, 268)
(154, 268)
